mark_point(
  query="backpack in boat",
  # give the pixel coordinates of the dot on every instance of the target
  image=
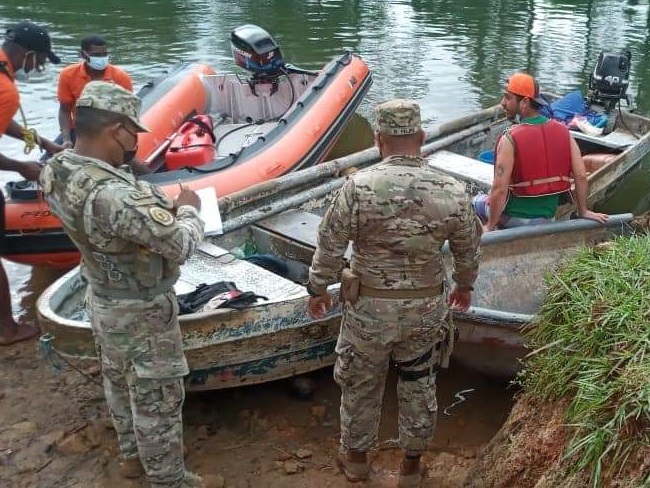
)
(222, 290)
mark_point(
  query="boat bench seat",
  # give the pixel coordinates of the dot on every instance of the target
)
(617, 140)
(211, 264)
(462, 167)
(296, 225)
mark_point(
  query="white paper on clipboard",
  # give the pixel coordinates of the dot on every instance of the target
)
(210, 211)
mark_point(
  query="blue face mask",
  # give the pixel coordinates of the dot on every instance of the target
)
(98, 63)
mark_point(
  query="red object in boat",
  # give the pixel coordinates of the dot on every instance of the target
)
(193, 146)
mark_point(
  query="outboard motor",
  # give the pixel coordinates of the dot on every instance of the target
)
(609, 81)
(256, 51)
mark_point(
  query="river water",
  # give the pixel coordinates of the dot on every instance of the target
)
(452, 56)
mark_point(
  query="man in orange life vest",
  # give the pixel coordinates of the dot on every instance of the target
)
(26, 48)
(528, 181)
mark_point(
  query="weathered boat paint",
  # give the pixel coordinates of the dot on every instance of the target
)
(280, 366)
(225, 347)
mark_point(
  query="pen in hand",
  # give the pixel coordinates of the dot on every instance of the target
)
(187, 197)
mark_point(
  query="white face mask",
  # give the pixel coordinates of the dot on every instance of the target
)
(98, 63)
(21, 75)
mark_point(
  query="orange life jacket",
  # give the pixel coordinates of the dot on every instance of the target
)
(542, 159)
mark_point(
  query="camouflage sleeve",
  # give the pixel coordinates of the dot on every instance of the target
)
(334, 233)
(464, 243)
(147, 217)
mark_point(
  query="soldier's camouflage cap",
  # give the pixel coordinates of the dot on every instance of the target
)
(398, 117)
(112, 98)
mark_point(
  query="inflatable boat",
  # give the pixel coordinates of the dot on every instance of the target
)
(227, 131)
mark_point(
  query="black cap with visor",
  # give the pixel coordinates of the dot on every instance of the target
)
(33, 38)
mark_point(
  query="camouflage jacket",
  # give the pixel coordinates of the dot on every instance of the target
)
(398, 215)
(131, 239)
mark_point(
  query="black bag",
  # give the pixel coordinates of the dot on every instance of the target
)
(233, 298)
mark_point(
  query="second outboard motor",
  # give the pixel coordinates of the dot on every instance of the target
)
(610, 79)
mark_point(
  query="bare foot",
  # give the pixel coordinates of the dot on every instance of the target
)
(17, 333)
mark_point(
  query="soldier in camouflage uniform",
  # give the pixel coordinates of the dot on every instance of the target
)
(132, 240)
(398, 215)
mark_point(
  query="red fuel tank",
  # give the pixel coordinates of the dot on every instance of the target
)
(193, 145)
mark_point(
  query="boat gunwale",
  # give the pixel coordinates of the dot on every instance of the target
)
(61, 289)
(494, 238)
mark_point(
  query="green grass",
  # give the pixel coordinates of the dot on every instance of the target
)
(591, 343)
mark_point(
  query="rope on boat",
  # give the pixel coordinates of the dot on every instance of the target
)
(620, 113)
(57, 361)
(30, 137)
(45, 343)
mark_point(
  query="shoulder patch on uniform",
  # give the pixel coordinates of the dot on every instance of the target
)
(162, 216)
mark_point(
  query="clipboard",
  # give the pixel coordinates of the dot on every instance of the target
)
(209, 212)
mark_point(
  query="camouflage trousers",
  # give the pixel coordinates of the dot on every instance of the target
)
(142, 370)
(375, 332)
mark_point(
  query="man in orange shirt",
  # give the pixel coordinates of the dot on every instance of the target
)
(72, 80)
(26, 48)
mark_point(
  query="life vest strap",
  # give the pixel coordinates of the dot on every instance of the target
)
(542, 181)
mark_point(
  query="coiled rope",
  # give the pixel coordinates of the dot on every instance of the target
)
(30, 137)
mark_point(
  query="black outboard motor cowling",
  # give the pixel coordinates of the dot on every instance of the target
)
(610, 79)
(256, 51)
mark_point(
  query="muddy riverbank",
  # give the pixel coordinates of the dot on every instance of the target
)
(54, 430)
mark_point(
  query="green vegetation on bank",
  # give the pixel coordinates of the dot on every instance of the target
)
(591, 344)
